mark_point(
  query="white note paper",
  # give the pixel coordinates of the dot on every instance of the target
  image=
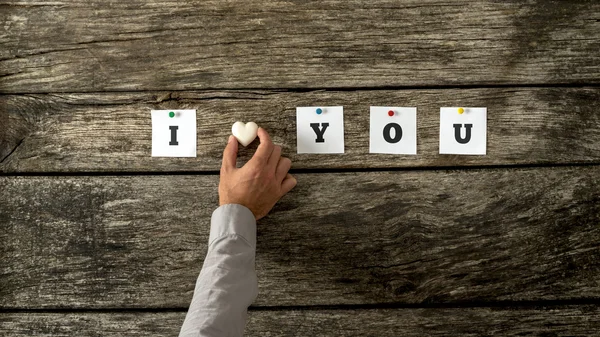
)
(320, 133)
(396, 134)
(464, 133)
(174, 136)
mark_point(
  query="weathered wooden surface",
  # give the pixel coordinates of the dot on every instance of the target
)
(352, 238)
(77, 81)
(103, 45)
(559, 321)
(112, 132)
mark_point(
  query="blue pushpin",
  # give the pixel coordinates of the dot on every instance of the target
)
(319, 111)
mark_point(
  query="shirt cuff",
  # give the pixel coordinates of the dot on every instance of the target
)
(233, 219)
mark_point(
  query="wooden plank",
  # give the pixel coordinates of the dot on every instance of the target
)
(558, 321)
(112, 132)
(75, 46)
(352, 238)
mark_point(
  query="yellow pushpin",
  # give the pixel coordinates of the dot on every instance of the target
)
(461, 111)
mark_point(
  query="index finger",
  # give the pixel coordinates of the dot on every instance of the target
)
(265, 148)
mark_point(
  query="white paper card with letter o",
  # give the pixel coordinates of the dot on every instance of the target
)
(393, 130)
(174, 136)
(464, 133)
(320, 129)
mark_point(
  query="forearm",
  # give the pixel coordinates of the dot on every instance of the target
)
(227, 284)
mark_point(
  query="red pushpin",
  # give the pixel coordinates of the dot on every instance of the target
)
(391, 113)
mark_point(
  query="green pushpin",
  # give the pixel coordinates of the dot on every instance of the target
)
(171, 114)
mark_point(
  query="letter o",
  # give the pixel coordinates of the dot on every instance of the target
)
(387, 133)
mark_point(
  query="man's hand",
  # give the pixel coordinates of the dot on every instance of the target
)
(260, 183)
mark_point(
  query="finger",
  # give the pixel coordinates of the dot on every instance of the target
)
(263, 153)
(230, 154)
(288, 183)
(274, 159)
(283, 168)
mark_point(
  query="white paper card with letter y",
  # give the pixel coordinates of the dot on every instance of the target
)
(320, 129)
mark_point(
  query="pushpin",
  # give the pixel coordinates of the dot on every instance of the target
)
(391, 113)
(461, 111)
(171, 114)
(319, 111)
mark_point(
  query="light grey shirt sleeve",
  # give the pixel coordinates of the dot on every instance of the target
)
(227, 284)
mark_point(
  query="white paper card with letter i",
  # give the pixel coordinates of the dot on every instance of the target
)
(463, 130)
(173, 133)
(320, 129)
(393, 130)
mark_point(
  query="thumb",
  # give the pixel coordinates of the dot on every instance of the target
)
(230, 153)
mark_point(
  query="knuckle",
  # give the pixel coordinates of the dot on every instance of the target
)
(255, 172)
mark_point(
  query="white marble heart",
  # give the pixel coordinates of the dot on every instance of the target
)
(244, 133)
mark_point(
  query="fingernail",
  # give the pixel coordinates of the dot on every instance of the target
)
(230, 139)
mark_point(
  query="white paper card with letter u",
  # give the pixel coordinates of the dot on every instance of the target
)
(393, 130)
(463, 133)
(320, 129)
(173, 133)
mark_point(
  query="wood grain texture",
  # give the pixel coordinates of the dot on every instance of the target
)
(112, 132)
(559, 321)
(89, 46)
(352, 238)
